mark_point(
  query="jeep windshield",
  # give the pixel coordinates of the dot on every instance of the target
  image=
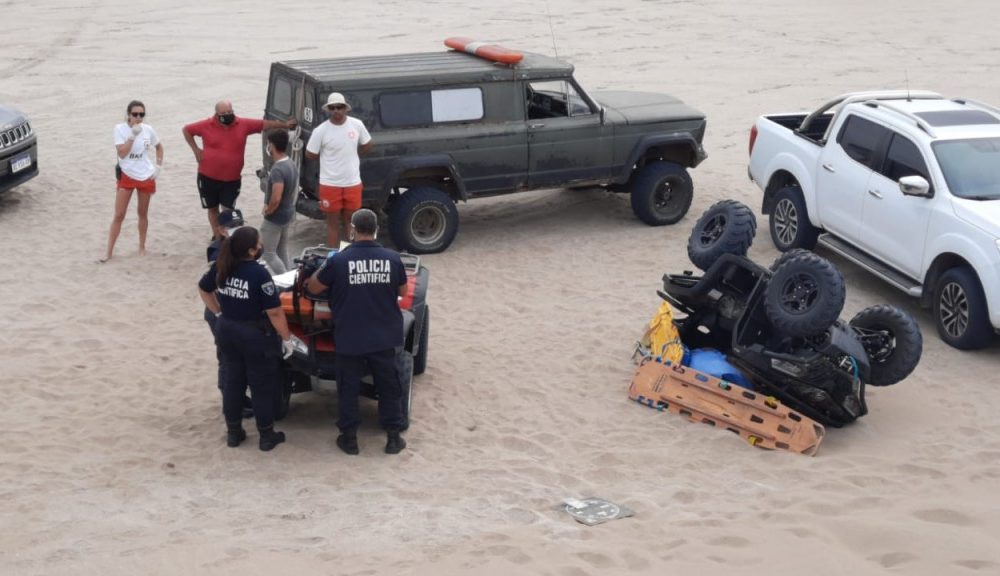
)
(971, 167)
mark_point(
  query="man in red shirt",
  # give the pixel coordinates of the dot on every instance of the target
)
(220, 157)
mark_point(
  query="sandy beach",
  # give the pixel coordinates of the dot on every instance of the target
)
(112, 451)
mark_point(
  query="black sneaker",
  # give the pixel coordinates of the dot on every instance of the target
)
(395, 443)
(235, 437)
(269, 439)
(348, 443)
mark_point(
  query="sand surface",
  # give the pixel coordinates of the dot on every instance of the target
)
(112, 456)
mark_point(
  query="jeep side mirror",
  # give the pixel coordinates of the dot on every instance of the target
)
(915, 186)
(602, 114)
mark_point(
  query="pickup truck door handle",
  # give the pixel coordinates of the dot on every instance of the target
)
(533, 126)
(828, 167)
(875, 193)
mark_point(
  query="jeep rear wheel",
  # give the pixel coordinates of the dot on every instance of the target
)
(727, 227)
(960, 310)
(661, 193)
(424, 220)
(790, 227)
(805, 295)
(892, 340)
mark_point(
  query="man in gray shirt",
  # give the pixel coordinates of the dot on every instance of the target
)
(279, 203)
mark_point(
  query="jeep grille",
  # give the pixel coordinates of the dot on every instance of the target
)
(14, 135)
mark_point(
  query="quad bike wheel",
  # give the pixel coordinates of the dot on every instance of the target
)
(420, 360)
(404, 364)
(892, 340)
(727, 227)
(805, 295)
(785, 256)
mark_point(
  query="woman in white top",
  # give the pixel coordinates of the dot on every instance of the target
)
(135, 142)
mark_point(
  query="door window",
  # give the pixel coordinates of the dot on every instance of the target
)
(426, 107)
(554, 99)
(903, 159)
(860, 139)
(281, 96)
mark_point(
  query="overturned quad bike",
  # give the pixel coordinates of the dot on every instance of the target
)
(780, 325)
(309, 317)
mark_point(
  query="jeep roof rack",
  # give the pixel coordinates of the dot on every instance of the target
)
(920, 122)
(852, 97)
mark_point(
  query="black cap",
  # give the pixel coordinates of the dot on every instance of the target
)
(231, 218)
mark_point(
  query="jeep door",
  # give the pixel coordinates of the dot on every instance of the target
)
(567, 141)
(289, 96)
(894, 228)
(845, 167)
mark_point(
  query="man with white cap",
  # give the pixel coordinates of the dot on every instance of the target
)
(339, 145)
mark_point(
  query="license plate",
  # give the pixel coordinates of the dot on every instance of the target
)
(20, 163)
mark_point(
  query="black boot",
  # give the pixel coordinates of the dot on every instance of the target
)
(235, 434)
(394, 443)
(269, 438)
(348, 442)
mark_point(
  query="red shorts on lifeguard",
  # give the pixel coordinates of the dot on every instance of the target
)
(127, 183)
(337, 198)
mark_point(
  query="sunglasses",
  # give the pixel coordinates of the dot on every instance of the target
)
(138, 114)
(338, 107)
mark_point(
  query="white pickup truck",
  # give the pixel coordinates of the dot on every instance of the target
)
(904, 184)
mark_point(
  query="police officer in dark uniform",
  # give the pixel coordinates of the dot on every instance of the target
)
(250, 332)
(365, 281)
(229, 221)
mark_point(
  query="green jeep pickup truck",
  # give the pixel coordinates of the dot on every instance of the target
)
(450, 126)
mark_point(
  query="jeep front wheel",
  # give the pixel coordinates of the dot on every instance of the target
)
(424, 220)
(661, 193)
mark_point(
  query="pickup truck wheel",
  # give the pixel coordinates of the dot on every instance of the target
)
(727, 227)
(892, 340)
(960, 310)
(404, 365)
(661, 193)
(790, 227)
(805, 295)
(424, 220)
(420, 360)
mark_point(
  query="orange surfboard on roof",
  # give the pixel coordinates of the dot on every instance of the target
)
(483, 50)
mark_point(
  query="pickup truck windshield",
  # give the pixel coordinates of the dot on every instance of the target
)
(971, 167)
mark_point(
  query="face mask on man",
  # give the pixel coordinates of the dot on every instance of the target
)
(227, 118)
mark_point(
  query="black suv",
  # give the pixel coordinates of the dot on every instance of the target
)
(18, 149)
(450, 126)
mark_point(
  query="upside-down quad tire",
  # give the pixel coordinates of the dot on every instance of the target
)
(420, 360)
(424, 220)
(789, 222)
(785, 256)
(892, 340)
(960, 310)
(805, 295)
(661, 193)
(727, 227)
(404, 365)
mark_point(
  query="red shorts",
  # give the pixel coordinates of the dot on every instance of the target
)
(147, 186)
(337, 198)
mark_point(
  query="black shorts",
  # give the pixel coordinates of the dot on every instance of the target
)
(214, 192)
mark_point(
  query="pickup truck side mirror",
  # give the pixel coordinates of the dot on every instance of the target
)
(915, 186)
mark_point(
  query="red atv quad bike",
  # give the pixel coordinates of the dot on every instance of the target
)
(309, 318)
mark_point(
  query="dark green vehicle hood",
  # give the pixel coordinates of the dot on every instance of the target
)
(646, 107)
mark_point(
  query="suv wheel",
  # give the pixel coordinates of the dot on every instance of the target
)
(727, 227)
(805, 295)
(892, 340)
(420, 360)
(404, 365)
(790, 227)
(661, 193)
(960, 310)
(424, 220)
